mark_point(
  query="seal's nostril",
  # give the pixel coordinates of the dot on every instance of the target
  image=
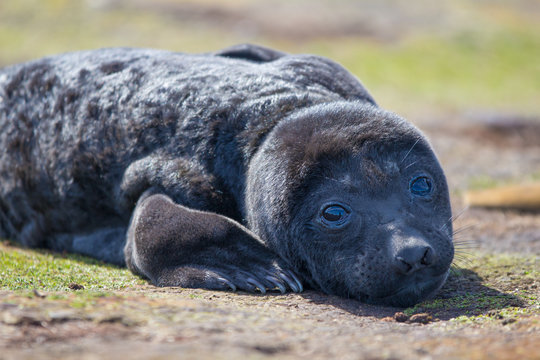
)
(403, 265)
(410, 259)
(428, 257)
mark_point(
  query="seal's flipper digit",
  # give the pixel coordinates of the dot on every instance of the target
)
(257, 285)
(173, 245)
(228, 282)
(292, 281)
(277, 283)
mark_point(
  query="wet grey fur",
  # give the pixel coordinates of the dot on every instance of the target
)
(162, 161)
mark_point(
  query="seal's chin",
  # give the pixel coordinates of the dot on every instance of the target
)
(411, 293)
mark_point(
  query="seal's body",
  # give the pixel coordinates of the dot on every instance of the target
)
(162, 161)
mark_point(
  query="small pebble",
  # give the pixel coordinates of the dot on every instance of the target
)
(38, 294)
(400, 317)
(75, 286)
(423, 318)
(508, 321)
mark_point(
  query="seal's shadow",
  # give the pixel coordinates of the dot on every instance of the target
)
(463, 294)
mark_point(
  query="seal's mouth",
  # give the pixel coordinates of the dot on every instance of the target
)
(412, 292)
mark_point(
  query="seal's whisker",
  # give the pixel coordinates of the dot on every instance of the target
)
(464, 242)
(463, 255)
(459, 253)
(460, 243)
(454, 217)
(462, 267)
(462, 263)
(408, 152)
(457, 265)
(464, 238)
(411, 164)
(456, 269)
(464, 228)
(462, 249)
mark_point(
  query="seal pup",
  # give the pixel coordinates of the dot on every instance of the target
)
(246, 169)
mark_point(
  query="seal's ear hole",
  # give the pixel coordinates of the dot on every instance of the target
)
(335, 215)
(421, 186)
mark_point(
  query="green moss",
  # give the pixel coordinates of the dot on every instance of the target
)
(490, 283)
(495, 316)
(467, 304)
(44, 270)
(514, 270)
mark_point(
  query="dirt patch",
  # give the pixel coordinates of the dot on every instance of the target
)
(515, 133)
(496, 131)
(491, 306)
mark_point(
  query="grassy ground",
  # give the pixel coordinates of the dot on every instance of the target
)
(39, 269)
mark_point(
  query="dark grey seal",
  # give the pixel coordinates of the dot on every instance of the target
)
(247, 168)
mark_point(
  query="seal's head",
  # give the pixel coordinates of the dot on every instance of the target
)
(354, 199)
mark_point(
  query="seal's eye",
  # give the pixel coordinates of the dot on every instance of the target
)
(334, 215)
(421, 186)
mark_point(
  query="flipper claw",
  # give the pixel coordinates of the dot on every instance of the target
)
(257, 284)
(298, 283)
(289, 281)
(277, 283)
(228, 282)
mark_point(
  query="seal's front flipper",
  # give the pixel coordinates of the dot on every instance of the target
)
(176, 246)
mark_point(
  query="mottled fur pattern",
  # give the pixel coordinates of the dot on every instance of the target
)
(162, 161)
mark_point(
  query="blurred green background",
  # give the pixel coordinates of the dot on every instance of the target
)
(416, 57)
